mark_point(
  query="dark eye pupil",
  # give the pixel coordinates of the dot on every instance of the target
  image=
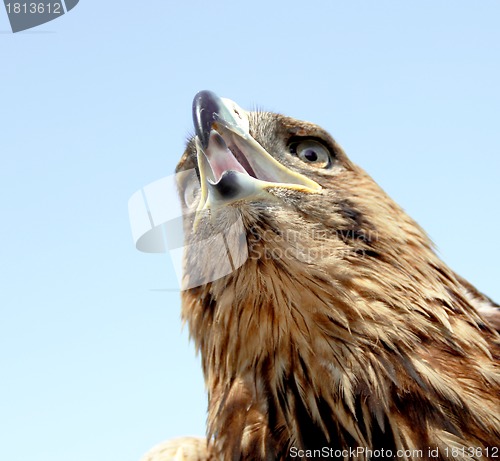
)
(311, 155)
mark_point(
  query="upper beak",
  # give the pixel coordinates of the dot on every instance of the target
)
(232, 164)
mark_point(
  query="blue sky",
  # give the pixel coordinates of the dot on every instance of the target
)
(97, 104)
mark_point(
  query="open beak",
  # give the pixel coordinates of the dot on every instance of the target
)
(232, 164)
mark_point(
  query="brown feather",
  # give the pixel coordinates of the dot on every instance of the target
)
(343, 328)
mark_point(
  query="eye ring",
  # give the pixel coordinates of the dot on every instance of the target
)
(312, 152)
(191, 193)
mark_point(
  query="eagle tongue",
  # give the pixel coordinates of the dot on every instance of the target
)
(220, 158)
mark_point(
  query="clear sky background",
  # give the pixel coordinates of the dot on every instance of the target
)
(97, 104)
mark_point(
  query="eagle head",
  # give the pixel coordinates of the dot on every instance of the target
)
(324, 318)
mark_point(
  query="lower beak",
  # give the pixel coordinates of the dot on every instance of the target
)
(233, 165)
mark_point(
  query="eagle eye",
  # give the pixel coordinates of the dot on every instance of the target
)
(312, 152)
(191, 193)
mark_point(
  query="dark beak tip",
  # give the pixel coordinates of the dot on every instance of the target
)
(206, 107)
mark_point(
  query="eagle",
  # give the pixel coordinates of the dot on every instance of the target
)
(328, 326)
